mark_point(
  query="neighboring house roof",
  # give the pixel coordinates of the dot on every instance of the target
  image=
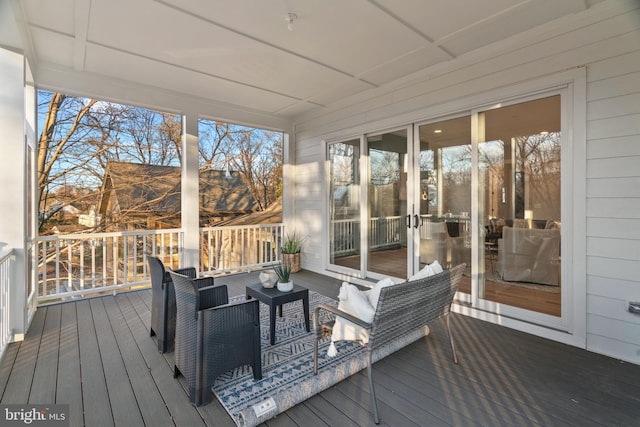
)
(222, 191)
(152, 189)
(271, 215)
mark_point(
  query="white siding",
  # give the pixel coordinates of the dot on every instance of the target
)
(606, 41)
(613, 203)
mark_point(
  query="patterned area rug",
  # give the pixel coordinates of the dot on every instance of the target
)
(287, 367)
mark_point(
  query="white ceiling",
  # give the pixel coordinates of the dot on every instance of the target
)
(240, 52)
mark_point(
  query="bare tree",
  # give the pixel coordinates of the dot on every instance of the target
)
(255, 153)
(80, 136)
(258, 154)
(214, 141)
(62, 128)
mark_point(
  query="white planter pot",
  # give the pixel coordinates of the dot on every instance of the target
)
(286, 286)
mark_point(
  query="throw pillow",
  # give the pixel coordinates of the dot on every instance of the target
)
(427, 270)
(436, 267)
(374, 293)
(354, 302)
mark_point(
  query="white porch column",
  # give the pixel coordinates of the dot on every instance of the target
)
(13, 181)
(190, 190)
(288, 181)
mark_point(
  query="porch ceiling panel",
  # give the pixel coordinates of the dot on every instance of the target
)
(53, 15)
(437, 22)
(241, 52)
(508, 23)
(342, 91)
(324, 32)
(52, 47)
(408, 64)
(200, 45)
(146, 71)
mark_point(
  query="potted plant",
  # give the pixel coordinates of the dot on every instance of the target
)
(291, 247)
(283, 271)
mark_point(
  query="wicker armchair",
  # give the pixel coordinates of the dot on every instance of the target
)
(402, 309)
(213, 336)
(163, 302)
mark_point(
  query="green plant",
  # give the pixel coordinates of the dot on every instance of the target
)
(283, 271)
(292, 243)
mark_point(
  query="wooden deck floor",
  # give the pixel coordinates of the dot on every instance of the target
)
(97, 356)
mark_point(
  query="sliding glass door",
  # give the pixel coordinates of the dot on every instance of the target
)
(388, 217)
(445, 193)
(483, 188)
(344, 204)
(519, 170)
(369, 217)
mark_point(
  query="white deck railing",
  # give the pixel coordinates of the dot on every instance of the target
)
(387, 231)
(384, 232)
(239, 248)
(6, 259)
(345, 237)
(80, 264)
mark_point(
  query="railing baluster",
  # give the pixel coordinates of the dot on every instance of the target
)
(125, 258)
(57, 265)
(69, 265)
(223, 249)
(93, 263)
(81, 262)
(171, 250)
(6, 260)
(135, 257)
(44, 269)
(144, 264)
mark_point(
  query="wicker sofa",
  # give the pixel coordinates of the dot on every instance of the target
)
(402, 315)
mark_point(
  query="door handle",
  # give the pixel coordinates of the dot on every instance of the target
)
(416, 221)
(408, 221)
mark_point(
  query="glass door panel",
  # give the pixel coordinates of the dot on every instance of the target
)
(519, 204)
(344, 204)
(445, 194)
(387, 204)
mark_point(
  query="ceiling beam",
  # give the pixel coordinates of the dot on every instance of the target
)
(81, 11)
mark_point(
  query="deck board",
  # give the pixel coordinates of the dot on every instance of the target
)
(174, 397)
(69, 385)
(97, 355)
(117, 378)
(333, 416)
(43, 386)
(149, 400)
(97, 409)
(18, 386)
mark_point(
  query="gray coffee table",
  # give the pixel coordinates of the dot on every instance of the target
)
(274, 298)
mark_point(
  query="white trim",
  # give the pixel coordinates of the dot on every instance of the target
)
(190, 199)
(562, 322)
(571, 326)
(13, 163)
(577, 274)
(91, 85)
